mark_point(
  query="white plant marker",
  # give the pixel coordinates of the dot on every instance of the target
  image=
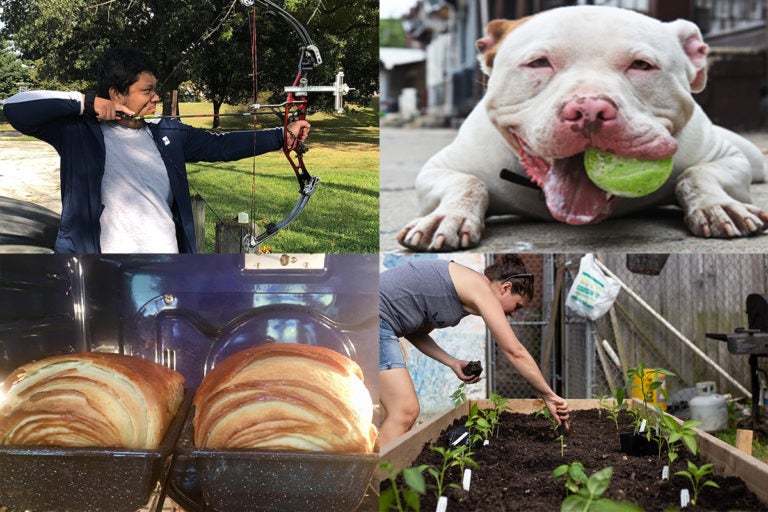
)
(643, 424)
(467, 478)
(665, 473)
(486, 442)
(685, 498)
(458, 440)
(442, 504)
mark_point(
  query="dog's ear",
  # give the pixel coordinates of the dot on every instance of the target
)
(694, 47)
(487, 46)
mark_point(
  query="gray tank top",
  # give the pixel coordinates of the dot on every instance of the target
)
(419, 295)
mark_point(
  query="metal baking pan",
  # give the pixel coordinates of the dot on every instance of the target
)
(262, 480)
(43, 478)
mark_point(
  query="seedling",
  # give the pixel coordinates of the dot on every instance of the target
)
(452, 457)
(459, 396)
(575, 476)
(673, 432)
(617, 406)
(585, 493)
(482, 424)
(407, 498)
(600, 405)
(695, 475)
(559, 430)
(493, 415)
(647, 389)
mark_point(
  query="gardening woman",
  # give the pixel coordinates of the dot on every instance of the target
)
(428, 294)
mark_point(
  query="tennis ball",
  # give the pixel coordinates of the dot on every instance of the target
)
(625, 176)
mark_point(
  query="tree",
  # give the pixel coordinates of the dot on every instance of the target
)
(13, 71)
(207, 41)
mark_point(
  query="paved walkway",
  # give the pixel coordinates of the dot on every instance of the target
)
(29, 170)
(403, 151)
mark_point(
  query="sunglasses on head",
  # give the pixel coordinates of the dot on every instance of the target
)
(518, 276)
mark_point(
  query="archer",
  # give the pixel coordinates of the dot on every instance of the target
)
(123, 177)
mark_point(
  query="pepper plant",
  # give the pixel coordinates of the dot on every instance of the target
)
(459, 396)
(409, 496)
(647, 389)
(452, 457)
(618, 405)
(672, 432)
(559, 430)
(695, 474)
(584, 494)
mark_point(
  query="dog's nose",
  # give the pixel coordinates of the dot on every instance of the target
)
(589, 113)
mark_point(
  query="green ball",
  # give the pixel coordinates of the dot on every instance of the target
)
(625, 176)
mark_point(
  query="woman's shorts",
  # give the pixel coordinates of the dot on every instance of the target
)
(390, 355)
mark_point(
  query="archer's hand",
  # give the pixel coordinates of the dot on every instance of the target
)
(457, 366)
(296, 131)
(106, 110)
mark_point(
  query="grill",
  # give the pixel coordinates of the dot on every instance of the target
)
(753, 342)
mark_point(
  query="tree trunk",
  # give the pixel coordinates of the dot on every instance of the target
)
(216, 110)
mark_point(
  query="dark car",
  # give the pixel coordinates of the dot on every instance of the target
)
(26, 227)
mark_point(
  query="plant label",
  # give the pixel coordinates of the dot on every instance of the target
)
(467, 478)
(442, 504)
(685, 498)
(460, 438)
(643, 425)
(665, 473)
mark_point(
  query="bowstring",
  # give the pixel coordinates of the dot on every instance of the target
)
(255, 82)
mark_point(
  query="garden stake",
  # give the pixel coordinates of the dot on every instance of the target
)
(467, 478)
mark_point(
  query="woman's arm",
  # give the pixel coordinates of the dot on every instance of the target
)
(424, 342)
(478, 298)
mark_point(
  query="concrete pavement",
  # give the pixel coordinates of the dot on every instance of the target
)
(661, 230)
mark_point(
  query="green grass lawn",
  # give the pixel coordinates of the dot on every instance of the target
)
(342, 216)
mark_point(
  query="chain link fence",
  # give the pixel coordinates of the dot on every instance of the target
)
(695, 293)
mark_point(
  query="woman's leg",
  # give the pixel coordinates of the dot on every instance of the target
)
(400, 404)
(396, 392)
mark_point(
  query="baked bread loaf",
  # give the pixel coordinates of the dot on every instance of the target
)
(89, 399)
(285, 396)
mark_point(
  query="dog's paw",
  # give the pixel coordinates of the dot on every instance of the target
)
(728, 220)
(439, 232)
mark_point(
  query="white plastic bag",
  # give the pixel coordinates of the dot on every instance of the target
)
(592, 293)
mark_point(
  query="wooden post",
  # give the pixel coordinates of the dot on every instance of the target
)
(198, 217)
(230, 234)
(744, 441)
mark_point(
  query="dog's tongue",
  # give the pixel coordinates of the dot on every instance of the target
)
(571, 196)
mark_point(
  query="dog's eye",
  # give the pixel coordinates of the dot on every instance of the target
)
(641, 65)
(541, 62)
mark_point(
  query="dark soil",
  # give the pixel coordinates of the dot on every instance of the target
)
(515, 470)
(473, 368)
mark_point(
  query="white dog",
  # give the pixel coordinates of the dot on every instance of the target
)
(583, 77)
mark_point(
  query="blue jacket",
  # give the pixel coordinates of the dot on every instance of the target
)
(56, 118)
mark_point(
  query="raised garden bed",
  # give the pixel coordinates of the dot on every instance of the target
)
(515, 470)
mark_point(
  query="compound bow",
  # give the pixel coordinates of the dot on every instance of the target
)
(295, 108)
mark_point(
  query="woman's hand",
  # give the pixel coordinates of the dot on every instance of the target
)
(558, 408)
(457, 366)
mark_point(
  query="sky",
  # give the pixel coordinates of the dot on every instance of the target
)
(394, 8)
